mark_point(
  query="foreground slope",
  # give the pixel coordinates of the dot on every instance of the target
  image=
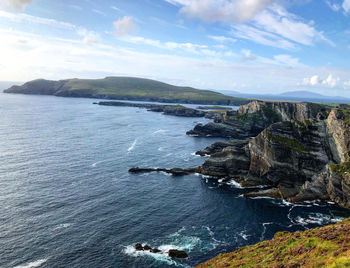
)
(124, 88)
(327, 246)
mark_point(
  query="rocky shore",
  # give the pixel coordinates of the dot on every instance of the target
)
(299, 150)
(176, 110)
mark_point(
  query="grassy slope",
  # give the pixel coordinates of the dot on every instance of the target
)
(327, 246)
(144, 88)
(125, 88)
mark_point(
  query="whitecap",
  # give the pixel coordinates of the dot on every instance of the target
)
(244, 235)
(235, 184)
(63, 225)
(160, 131)
(262, 237)
(32, 264)
(132, 147)
(161, 149)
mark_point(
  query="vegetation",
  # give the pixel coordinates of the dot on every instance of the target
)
(126, 88)
(327, 246)
(288, 143)
(214, 108)
(342, 169)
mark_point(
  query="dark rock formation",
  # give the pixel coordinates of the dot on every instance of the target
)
(299, 160)
(174, 253)
(138, 247)
(173, 171)
(176, 110)
(254, 117)
(215, 148)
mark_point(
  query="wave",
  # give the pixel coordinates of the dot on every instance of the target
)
(262, 237)
(161, 149)
(98, 162)
(132, 147)
(32, 264)
(160, 131)
(234, 184)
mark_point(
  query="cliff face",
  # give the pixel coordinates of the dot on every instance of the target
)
(327, 246)
(304, 156)
(254, 117)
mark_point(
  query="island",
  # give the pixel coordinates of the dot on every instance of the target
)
(125, 88)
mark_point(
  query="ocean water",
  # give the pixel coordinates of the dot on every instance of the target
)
(67, 199)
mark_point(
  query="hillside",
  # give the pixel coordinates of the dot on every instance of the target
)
(125, 88)
(327, 246)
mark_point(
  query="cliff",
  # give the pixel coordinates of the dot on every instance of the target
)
(254, 117)
(125, 88)
(327, 246)
(304, 156)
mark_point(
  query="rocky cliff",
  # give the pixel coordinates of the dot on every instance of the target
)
(304, 156)
(254, 117)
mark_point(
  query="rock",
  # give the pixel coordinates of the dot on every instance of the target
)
(155, 250)
(147, 247)
(173, 171)
(254, 117)
(214, 148)
(138, 247)
(175, 110)
(174, 253)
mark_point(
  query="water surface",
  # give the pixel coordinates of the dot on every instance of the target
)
(67, 199)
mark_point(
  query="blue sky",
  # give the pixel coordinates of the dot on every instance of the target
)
(251, 46)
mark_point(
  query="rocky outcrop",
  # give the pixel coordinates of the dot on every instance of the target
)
(173, 171)
(215, 148)
(254, 117)
(299, 160)
(176, 110)
(180, 254)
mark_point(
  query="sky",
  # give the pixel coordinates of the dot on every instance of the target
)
(249, 46)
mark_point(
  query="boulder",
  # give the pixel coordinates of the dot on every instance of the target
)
(138, 247)
(180, 254)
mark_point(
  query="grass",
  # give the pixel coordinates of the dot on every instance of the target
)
(292, 144)
(146, 89)
(327, 246)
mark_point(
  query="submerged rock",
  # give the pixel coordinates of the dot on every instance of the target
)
(174, 253)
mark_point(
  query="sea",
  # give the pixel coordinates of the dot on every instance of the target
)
(67, 199)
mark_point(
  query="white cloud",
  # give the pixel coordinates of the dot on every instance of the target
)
(330, 81)
(15, 4)
(124, 26)
(312, 81)
(334, 6)
(287, 25)
(25, 18)
(222, 10)
(222, 39)
(346, 6)
(287, 60)
(261, 37)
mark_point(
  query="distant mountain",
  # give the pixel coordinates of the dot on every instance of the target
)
(292, 96)
(303, 94)
(125, 88)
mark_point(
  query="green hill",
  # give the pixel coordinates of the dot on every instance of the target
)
(125, 88)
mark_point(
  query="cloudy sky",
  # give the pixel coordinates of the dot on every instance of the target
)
(251, 46)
